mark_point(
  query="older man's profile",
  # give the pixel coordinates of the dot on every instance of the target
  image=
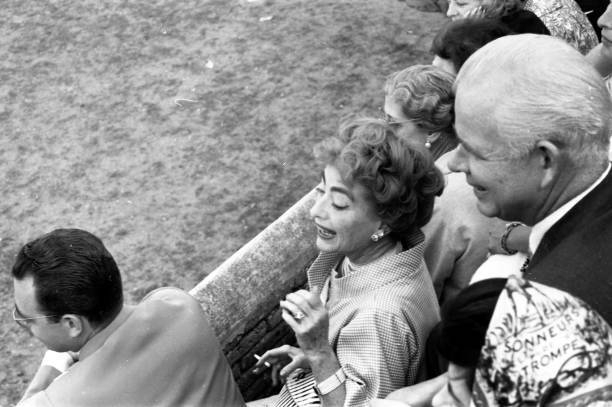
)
(533, 118)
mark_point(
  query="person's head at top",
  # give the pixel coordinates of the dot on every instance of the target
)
(601, 55)
(67, 287)
(533, 121)
(376, 189)
(509, 12)
(419, 104)
(605, 23)
(457, 40)
(458, 9)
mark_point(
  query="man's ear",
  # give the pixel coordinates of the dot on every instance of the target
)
(549, 161)
(73, 324)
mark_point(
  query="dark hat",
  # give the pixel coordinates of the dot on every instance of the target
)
(460, 335)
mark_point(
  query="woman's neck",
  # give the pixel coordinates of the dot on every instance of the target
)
(372, 252)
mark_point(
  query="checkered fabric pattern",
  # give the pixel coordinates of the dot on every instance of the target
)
(380, 316)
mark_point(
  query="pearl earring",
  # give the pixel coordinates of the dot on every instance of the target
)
(428, 141)
(377, 236)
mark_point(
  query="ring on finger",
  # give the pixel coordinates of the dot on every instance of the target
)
(298, 315)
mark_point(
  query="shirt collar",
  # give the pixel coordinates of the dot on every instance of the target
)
(540, 228)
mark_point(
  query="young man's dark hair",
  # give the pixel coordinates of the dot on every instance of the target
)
(161, 351)
(459, 39)
(73, 274)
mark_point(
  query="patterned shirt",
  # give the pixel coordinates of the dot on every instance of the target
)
(565, 20)
(379, 319)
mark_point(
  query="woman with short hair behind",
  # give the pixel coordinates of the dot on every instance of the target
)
(362, 327)
(459, 39)
(419, 103)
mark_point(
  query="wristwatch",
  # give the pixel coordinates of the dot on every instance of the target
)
(330, 384)
(504, 239)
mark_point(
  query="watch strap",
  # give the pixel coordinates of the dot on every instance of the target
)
(331, 383)
(504, 239)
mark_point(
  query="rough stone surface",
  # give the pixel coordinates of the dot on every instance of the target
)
(241, 296)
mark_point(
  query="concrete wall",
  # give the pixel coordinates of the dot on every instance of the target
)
(241, 296)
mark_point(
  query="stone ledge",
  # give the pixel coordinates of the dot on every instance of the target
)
(241, 296)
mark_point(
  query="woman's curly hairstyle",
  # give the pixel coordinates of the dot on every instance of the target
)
(425, 94)
(400, 175)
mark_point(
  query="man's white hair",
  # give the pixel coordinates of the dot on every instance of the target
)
(536, 87)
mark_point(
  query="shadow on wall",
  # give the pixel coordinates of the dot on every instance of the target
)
(241, 296)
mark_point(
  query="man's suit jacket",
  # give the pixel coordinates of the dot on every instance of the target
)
(162, 353)
(575, 254)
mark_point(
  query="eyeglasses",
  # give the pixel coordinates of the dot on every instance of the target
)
(579, 367)
(574, 370)
(23, 321)
(393, 122)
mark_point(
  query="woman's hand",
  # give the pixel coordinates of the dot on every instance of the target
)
(304, 312)
(283, 360)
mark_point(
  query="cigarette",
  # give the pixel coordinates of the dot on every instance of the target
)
(266, 364)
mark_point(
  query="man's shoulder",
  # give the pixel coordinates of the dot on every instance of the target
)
(170, 306)
(589, 218)
(574, 254)
(170, 297)
(167, 293)
(39, 399)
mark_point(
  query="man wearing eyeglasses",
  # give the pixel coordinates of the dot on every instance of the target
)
(162, 352)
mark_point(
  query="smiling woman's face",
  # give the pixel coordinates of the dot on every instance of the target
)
(344, 216)
(459, 8)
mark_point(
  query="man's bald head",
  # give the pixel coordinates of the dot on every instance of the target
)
(537, 87)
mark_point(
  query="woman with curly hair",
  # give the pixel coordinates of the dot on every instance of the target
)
(419, 102)
(563, 18)
(362, 326)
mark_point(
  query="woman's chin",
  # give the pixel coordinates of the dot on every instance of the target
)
(325, 245)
